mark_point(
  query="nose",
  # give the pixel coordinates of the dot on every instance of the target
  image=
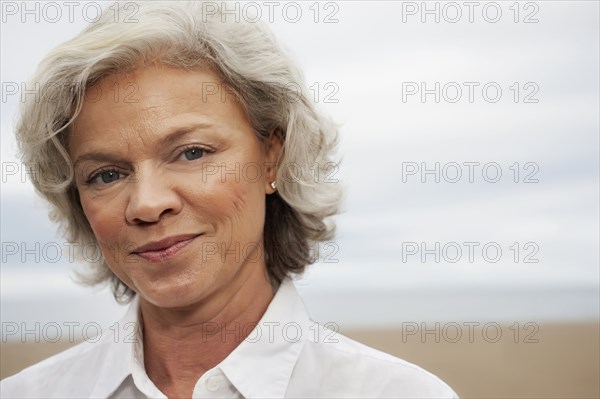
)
(151, 198)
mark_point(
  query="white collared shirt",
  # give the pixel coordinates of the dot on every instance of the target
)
(285, 355)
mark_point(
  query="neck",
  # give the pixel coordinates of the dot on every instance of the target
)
(181, 344)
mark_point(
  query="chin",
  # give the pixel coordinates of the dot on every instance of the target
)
(172, 294)
(172, 284)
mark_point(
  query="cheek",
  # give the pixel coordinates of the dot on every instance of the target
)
(105, 218)
(236, 206)
(108, 225)
(249, 208)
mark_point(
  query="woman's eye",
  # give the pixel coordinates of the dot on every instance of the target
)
(105, 177)
(193, 153)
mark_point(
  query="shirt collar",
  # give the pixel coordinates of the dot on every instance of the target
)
(261, 366)
(272, 348)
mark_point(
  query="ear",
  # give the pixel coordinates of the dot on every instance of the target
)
(273, 152)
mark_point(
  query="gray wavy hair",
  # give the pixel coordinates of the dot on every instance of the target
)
(249, 60)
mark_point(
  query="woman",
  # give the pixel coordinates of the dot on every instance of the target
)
(180, 150)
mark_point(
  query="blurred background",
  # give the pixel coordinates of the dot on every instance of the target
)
(469, 238)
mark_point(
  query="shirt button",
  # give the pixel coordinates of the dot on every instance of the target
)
(214, 383)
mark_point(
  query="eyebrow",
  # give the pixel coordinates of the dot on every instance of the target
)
(170, 138)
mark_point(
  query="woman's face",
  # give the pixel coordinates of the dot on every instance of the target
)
(172, 179)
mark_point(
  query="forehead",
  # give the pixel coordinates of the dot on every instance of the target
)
(149, 99)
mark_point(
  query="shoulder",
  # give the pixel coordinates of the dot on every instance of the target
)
(71, 373)
(349, 368)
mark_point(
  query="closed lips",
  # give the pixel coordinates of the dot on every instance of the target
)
(161, 250)
(164, 243)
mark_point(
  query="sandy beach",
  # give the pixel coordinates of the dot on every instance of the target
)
(564, 363)
(535, 361)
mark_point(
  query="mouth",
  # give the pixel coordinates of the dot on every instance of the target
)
(158, 251)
